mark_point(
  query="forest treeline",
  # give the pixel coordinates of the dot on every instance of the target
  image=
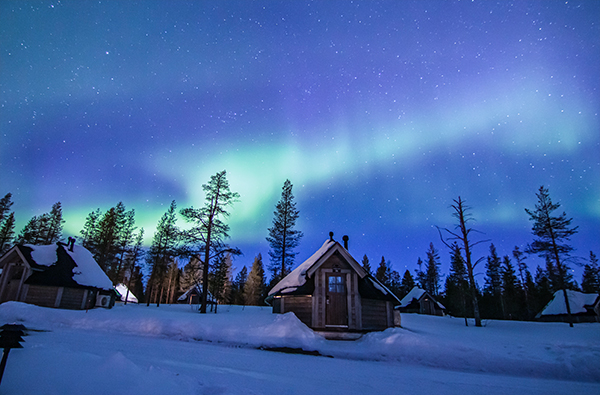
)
(174, 263)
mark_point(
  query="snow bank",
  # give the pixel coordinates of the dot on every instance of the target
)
(526, 349)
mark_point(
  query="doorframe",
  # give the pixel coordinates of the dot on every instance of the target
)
(347, 274)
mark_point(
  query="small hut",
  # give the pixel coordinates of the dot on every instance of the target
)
(194, 296)
(584, 307)
(330, 291)
(59, 275)
(420, 301)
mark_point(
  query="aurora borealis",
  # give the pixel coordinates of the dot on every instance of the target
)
(380, 113)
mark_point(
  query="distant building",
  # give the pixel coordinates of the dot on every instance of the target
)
(421, 302)
(330, 291)
(59, 275)
(194, 296)
(584, 307)
(124, 292)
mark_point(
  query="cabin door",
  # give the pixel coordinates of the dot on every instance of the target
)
(337, 301)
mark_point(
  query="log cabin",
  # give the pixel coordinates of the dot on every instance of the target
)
(421, 302)
(59, 275)
(331, 292)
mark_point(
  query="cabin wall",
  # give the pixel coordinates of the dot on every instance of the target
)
(301, 306)
(377, 314)
(72, 298)
(41, 295)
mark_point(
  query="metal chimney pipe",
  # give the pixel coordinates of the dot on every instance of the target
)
(345, 238)
(330, 236)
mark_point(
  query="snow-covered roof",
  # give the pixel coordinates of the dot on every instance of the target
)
(198, 289)
(297, 277)
(86, 271)
(414, 293)
(577, 303)
(417, 293)
(122, 290)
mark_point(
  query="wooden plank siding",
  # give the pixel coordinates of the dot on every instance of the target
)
(374, 314)
(299, 305)
(72, 298)
(42, 295)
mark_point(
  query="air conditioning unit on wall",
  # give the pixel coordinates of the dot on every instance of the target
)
(103, 301)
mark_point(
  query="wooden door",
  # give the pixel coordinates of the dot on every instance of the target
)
(337, 300)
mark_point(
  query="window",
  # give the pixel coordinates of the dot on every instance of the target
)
(336, 284)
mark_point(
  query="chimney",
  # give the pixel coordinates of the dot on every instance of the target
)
(345, 238)
(71, 243)
(330, 236)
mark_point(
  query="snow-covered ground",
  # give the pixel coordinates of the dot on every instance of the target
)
(136, 349)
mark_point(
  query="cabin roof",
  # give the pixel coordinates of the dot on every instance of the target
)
(577, 302)
(297, 279)
(122, 291)
(198, 289)
(56, 265)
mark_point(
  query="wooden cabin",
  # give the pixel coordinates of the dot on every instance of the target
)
(584, 307)
(330, 291)
(421, 302)
(59, 275)
(194, 296)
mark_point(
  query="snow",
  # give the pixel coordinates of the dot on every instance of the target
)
(297, 277)
(88, 272)
(414, 293)
(577, 301)
(122, 290)
(136, 349)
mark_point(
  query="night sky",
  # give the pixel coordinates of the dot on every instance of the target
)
(380, 113)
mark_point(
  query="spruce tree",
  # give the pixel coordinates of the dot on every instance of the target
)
(7, 223)
(220, 279)
(493, 285)
(551, 234)
(420, 274)
(590, 283)
(366, 265)
(255, 285)
(7, 232)
(510, 290)
(432, 271)
(238, 286)
(283, 238)
(161, 253)
(457, 284)
(524, 277)
(407, 284)
(207, 235)
(132, 269)
(54, 224)
(383, 273)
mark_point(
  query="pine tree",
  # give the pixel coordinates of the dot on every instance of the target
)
(382, 273)
(30, 234)
(550, 236)
(7, 232)
(366, 265)
(89, 233)
(54, 224)
(457, 284)
(161, 253)
(238, 286)
(208, 232)
(220, 279)
(283, 238)
(590, 283)
(420, 274)
(432, 271)
(255, 285)
(510, 290)
(493, 285)
(7, 223)
(525, 278)
(407, 284)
